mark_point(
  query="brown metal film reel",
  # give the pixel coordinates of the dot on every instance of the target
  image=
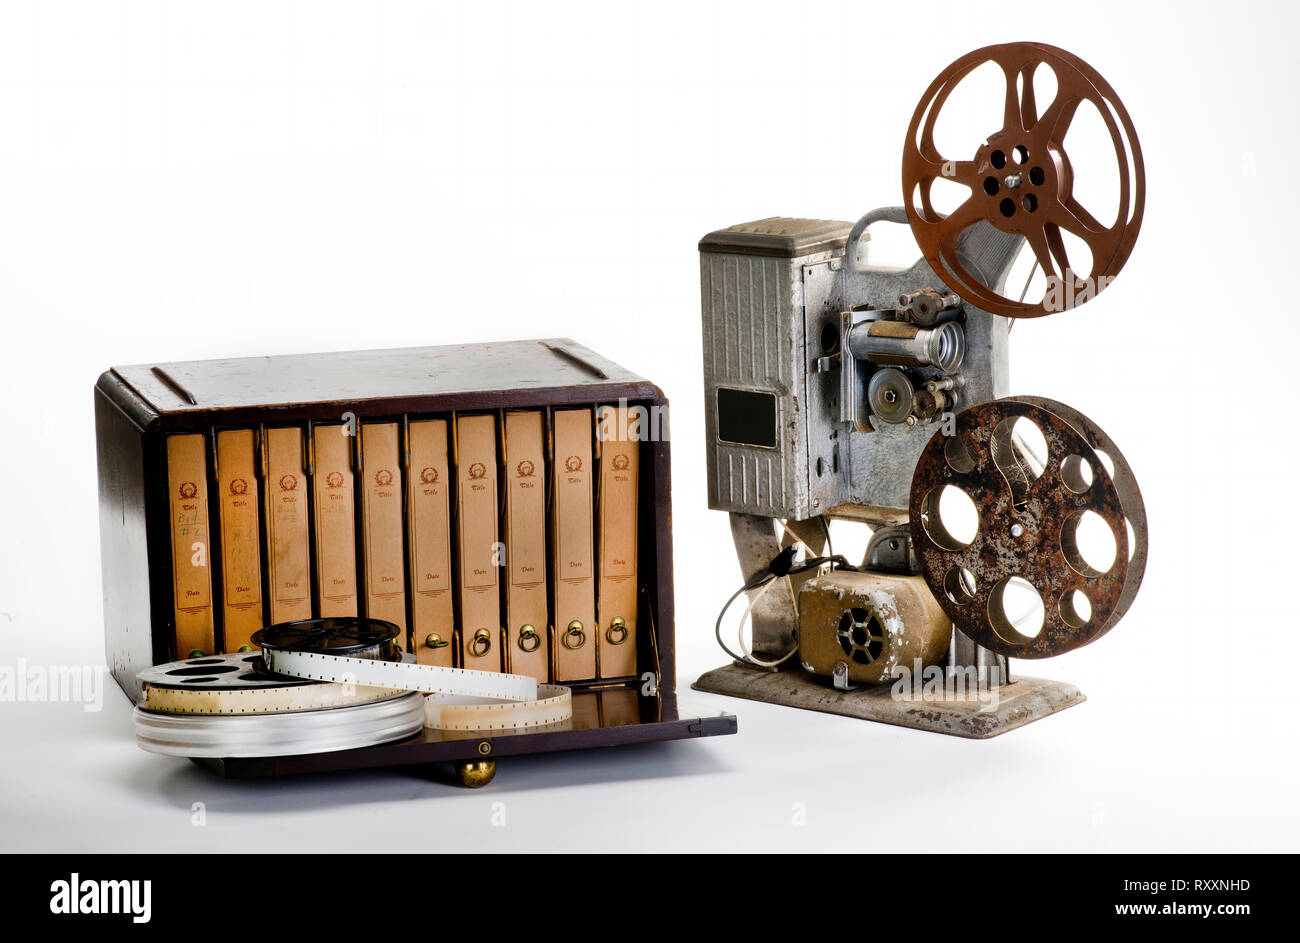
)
(1027, 527)
(1021, 180)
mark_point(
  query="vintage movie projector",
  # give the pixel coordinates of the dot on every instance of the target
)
(838, 389)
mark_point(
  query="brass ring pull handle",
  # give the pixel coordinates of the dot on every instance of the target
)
(529, 640)
(617, 632)
(572, 633)
(434, 640)
(481, 643)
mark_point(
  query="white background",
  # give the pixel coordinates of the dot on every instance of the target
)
(183, 181)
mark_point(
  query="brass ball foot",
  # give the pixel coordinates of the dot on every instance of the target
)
(476, 773)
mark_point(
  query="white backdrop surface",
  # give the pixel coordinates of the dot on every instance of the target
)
(183, 181)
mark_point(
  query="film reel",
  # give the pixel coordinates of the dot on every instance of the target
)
(353, 637)
(396, 717)
(1029, 514)
(231, 705)
(1021, 179)
(240, 684)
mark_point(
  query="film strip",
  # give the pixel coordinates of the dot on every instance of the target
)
(402, 676)
(553, 705)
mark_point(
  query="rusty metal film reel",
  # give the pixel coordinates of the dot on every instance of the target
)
(1028, 526)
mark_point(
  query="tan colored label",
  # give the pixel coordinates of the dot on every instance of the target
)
(430, 536)
(336, 550)
(617, 592)
(187, 483)
(575, 589)
(476, 479)
(382, 524)
(287, 538)
(241, 558)
(525, 484)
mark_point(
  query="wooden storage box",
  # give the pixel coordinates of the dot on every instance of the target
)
(138, 407)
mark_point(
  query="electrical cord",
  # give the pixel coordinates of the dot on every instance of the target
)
(783, 565)
(749, 656)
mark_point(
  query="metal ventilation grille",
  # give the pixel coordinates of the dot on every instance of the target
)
(861, 635)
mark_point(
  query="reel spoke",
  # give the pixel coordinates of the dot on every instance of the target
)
(1041, 246)
(1058, 117)
(1020, 111)
(1072, 217)
(1101, 240)
(1057, 246)
(1028, 104)
(1012, 112)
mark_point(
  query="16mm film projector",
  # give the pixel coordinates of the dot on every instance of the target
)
(1002, 526)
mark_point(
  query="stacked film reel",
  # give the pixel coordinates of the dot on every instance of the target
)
(321, 685)
(1029, 504)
